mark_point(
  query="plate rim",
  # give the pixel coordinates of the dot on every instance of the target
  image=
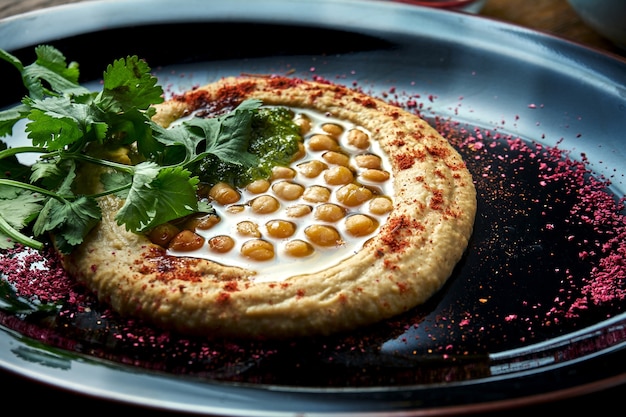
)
(601, 64)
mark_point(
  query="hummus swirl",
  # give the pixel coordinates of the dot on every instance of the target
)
(408, 260)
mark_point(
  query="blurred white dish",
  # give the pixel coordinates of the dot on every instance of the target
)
(607, 17)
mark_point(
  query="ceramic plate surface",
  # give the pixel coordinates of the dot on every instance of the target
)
(535, 308)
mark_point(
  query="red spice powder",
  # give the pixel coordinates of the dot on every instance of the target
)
(281, 83)
(223, 298)
(366, 102)
(39, 275)
(396, 231)
(390, 264)
(231, 286)
(404, 161)
(226, 98)
(439, 151)
(403, 287)
(436, 201)
(394, 114)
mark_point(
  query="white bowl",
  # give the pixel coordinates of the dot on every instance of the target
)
(607, 17)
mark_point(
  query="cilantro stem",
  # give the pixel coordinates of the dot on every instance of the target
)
(34, 188)
(111, 191)
(21, 149)
(19, 237)
(121, 167)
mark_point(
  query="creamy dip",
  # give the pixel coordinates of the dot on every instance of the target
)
(304, 172)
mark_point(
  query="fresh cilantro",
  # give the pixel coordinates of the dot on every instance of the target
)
(17, 207)
(226, 137)
(66, 122)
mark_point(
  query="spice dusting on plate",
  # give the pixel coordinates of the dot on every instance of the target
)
(548, 257)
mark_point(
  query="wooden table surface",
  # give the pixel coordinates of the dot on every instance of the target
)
(555, 17)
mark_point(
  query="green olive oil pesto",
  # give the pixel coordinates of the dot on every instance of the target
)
(274, 139)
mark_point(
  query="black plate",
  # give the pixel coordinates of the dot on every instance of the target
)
(537, 119)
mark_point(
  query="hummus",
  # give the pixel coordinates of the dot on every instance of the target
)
(405, 257)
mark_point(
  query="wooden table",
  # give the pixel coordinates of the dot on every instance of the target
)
(554, 17)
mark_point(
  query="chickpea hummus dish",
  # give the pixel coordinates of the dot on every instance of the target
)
(366, 221)
(258, 207)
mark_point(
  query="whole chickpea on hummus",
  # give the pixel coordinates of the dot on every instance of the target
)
(367, 221)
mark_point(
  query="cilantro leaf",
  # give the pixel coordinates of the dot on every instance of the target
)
(158, 196)
(52, 67)
(71, 221)
(180, 144)
(58, 122)
(117, 182)
(17, 208)
(134, 126)
(9, 117)
(226, 137)
(128, 84)
(42, 170)
(51, 217)
(11, 59)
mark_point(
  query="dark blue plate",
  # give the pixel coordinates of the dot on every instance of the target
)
(538, 120)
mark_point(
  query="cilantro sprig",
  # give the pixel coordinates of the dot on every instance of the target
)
(66, 122)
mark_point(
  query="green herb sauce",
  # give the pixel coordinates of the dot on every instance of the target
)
(274, 139)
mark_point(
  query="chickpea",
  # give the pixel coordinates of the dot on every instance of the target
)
(312, 169)
(304, 122)
(332, 129)
(258, 186)
(353, 195)
(248, 228)
(323, 235)
(280, 228)
(298, 248)
(360, 225)
(203, 190)
(316, 194)
(298, 210)
(202, 222)
(186, 241)
(338, 175)
(358, 139)
(322, 143)
(221, 244)
(300, 153)
(287, 190)
(163, 234)
(336, 158)
(224, 194)
(235, 208)
(329, 212)
(282, 173)
(380, 205)
(207, 221)
(264, 204)
(258, 250)
(368, 161)
(375, 175)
